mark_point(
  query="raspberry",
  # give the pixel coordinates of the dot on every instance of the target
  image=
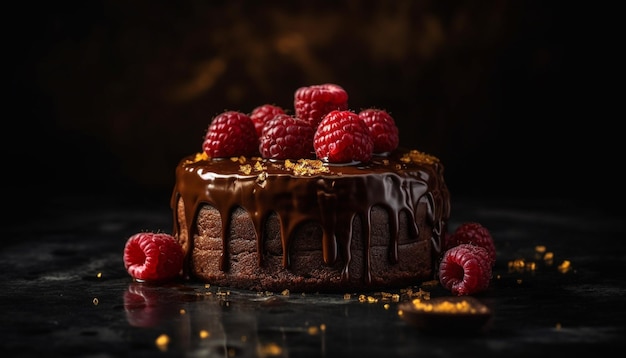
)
(342, 137)
(286, 137)
(473, 233)
(262, 114)
(382, 128)
(465, 269)
(231, 134)
(313, 102)
(153, 256)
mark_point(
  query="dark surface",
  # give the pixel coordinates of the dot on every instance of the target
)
(49, 281)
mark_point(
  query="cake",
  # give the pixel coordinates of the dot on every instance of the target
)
(319, 222)
(290, 227)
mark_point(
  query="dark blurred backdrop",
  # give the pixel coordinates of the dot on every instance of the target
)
(108, 96)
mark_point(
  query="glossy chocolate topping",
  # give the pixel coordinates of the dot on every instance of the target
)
(331, 195)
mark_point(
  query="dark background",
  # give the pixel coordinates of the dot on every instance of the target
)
(105, 97)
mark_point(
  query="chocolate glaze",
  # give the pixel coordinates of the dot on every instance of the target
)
(332, 199)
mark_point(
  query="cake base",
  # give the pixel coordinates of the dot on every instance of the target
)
(302, 267)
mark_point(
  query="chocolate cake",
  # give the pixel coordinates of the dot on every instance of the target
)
(309, 226)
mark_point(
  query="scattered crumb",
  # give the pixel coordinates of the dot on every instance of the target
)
(162, 341)
(445, 306)
(269, 349)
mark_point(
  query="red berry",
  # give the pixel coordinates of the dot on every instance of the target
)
(383, 129)
(473, 233)
(286, 137)
(153, 257)
(342, 137)
(465, 269)
(262, 114)
(313, 102)
(231, 134)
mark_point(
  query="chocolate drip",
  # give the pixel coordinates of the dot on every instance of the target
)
(333, 199)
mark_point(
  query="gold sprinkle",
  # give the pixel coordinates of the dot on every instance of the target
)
(313, 330)
(261, 179)
(259, 167)
(517, 265)
(199, 157)
(323, 327)
(285, 292)
(240, 159)
(95, 301)
(564, 267)
(445, 306)
(306, 167)
(246, 169)
(204, 334)
(269, 349)
(162, 341)
(99, 275)
(182, 311)
(386, 306)
(540, 249)
(415, 156)
(346, 296)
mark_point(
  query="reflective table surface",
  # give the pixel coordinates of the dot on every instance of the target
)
(64, 292)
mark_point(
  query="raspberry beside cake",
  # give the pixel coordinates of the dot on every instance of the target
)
(341, 216)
